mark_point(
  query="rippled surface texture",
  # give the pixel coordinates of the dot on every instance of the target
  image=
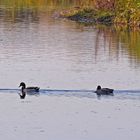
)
(60, 54)
(67, 61)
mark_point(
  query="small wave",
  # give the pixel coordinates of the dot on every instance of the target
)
(118, 94)
(70, 90)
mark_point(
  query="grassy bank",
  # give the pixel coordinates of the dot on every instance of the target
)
(107, 12)
(88, 15)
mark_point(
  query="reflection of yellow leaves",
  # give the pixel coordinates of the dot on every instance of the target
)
(115, 36)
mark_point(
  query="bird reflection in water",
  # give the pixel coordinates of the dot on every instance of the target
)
(22, 94)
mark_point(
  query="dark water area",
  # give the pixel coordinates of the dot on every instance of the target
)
(60, 54)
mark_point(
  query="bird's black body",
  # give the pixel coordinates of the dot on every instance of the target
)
(28, 89)
(104, 91)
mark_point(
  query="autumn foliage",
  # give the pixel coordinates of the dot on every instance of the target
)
(105, 4)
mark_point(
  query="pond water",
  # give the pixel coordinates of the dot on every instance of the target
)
(60, 54)
(67, 60)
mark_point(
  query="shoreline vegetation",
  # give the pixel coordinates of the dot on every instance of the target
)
(124, 13)
(118, 12)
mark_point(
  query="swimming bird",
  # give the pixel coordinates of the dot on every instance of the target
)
(104, 91)
(28, 89)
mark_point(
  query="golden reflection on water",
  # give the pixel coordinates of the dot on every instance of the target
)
(85, 55)
(30, 11)
(19, 9)
(42, 3)
(118, 41)
(114, 39)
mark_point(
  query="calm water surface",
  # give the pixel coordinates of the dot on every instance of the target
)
(61, 54)
(57, 54)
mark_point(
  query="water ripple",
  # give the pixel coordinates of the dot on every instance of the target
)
(118, 94)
